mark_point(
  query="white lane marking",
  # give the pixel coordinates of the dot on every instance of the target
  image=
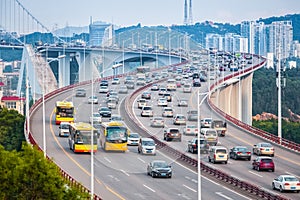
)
(107, 159)
(141, 160)
(292, 174)
(149, 188)
(191, 179)
(224, 196)
(125, 172)
(189, 188)
(210, 180)
(255, 174)
(236, 193)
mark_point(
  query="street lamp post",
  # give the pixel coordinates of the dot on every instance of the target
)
(43, 100)
(199, 103)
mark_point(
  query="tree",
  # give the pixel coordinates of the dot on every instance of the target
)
(28, 175)
(11, 129)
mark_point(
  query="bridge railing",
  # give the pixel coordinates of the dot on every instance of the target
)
(253, 130)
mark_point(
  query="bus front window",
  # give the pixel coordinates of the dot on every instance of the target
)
(116, 134)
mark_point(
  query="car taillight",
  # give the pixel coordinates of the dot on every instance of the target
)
(261, 149)
(286, 184)
(194, 145)
(248, 152)
(238, 152)
(272, 149)
(298, 184)
(188, 129)
(214, 156)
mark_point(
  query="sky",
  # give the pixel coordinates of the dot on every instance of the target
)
(59, 13)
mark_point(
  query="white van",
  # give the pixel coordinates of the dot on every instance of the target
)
(210, 135)
(64, 129)
(218, 154)
(147, 146)
(171, 84)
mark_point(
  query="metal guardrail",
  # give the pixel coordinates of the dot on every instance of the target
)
(253, 189)
(251, 129)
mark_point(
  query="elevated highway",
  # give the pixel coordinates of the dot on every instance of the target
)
(110, 173)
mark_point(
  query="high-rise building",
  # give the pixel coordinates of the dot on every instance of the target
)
(248, 31)
(98, 34)
(280, 38)
(185, 17)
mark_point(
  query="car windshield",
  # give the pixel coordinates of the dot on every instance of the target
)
(96, 115)
(148, 143)
(193, 112)
(104, 109)
(64, 126)
(134, 135)
(147, 108)
(266, 145)
(211, 133)
(202, 141)
(266, 160)
(221, 151)
(160, 165)
(174, 130)
(242, 149)
(293, 179)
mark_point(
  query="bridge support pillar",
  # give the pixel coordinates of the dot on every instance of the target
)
(247, 99)
(64, 71)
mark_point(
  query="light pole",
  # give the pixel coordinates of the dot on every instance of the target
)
(199, 103)
(43, 99)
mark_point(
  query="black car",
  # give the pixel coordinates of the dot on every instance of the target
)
(196, 83)
(159, 168)
(240, 152)
(193, 145)
(104, 112)
(104, 83)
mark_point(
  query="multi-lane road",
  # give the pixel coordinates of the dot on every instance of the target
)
(123, 175)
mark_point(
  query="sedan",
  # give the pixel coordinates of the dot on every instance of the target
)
(179, 119)
(157, 122)
(154, 87)
(182, 103)
(104, 112)
(263, 163)
(123, 89)
(193, 145)
(115, 81)
(159, 168)
(263, 148)
(162, 102)
(133, 139)
(103, 89)
(190, 129)
(146, 95)
(286, 183)
(93, 100)
(240, 152)
(96, 118)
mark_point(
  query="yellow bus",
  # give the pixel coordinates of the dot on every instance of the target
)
(113, 136)
(80, 140)
(64, 112)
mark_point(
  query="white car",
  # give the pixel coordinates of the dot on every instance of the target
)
(286, 183)
(123, 89)
(142, 103)
(167, 112)
(157, 122)
(133, 139)
(190, 129)
(64, 129)
(96, 118)
(162, 91)
(115, 81)
(179, 119)
(93, 100)
(187, 88)
(103, 89)
(162, 102)
(147, 111)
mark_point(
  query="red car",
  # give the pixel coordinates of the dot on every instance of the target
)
(263, 163)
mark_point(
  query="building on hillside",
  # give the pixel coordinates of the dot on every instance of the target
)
(101, 34)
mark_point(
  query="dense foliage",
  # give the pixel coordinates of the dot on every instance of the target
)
(290, 130)
(265, 95)
(28, 175)
(11, 129)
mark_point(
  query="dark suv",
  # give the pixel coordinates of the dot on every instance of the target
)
(193, 145)
(172, 134)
